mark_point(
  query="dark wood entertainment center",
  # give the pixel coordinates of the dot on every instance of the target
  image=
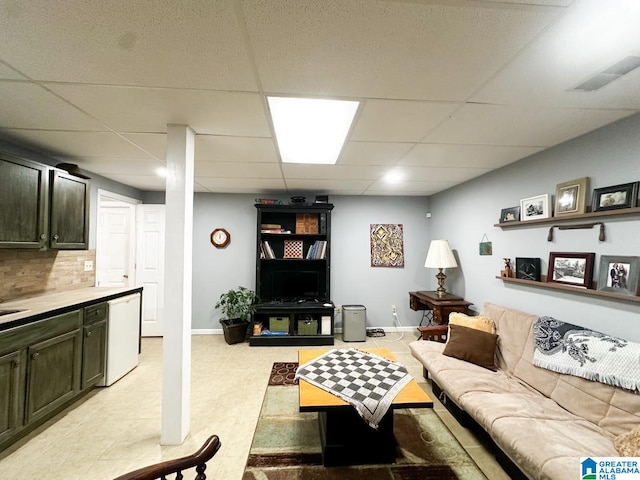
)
(293, 258)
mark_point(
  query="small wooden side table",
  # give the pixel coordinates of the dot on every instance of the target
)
(439, 307)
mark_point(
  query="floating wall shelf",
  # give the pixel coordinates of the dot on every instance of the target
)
(567, 218)
(576, 290)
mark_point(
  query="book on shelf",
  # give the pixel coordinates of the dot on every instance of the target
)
(268, 251)
(317, 251)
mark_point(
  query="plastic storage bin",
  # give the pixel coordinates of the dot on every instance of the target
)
(279, 324)
(354, 319)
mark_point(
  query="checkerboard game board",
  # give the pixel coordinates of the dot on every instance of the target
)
(367, 381)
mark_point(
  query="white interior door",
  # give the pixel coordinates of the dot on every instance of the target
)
(150, 267)
(114, 248)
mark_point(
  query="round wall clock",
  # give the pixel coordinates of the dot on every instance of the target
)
(220, 238)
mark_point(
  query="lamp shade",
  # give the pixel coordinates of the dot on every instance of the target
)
(440, 255)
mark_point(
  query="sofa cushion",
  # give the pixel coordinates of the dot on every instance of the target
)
(550, 448)
(614, 409)
(472, 345)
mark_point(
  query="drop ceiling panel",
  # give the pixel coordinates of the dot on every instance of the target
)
(180, 43)
(154, 144)
(410, 188)
(481, 156)
(331, 172)
(25, 105)
(235, 170)
(373, 153)
(519, 126)
(210, 148)
(399, 121)
(410, 50)
(247, 185)
(80, 144)
(149, 110)
(325, 186)
(579, 45)
(8, 73)
(440, 174)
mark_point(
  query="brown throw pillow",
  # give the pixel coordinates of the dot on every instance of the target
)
(472, 345)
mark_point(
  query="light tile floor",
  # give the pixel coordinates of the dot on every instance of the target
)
(117, 429)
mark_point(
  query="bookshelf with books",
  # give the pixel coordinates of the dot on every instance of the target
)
(293, 275)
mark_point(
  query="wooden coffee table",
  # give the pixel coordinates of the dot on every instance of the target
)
(346, 438)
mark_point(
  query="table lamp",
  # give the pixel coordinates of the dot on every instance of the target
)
(440, 256)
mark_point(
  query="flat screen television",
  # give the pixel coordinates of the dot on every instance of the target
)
(296, 285)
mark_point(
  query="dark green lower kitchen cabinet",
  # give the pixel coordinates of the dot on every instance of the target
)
(94, 345)
(40, 372)
(12, 383)
(53, 373)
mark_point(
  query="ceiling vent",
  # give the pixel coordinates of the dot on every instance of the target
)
(610, 74)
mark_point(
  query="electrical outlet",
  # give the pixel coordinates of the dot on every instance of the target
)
(394, 309)
(338, 308)
(88, 265)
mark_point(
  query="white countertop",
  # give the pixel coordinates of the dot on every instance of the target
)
(43, 304)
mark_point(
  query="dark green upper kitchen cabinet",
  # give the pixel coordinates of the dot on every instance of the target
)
(69, 211)
(23, 203)
(42, 207)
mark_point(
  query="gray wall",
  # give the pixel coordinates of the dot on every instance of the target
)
(608, 156)
(353, 281)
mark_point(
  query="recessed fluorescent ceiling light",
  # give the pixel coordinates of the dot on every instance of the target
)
(311, 130)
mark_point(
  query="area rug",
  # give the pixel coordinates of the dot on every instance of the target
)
(286, 446)
(283, 373)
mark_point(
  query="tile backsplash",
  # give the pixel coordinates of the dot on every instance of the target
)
(28, 273)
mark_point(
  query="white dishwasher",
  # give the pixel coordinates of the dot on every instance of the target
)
(123, 334)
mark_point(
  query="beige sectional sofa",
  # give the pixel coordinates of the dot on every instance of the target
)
(541, 420)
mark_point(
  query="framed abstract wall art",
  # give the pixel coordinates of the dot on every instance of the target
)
(387, 245)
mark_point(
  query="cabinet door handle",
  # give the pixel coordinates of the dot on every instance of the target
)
(43, 236)
(89, 333)
(17, 362)
(55, 237)
(125, 276)
(35, 355)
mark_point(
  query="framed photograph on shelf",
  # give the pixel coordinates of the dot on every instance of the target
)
(617, 196)
(528, 268)
(619, 274)
(533, 208)
(571, 197)
(575, 268)
(511, 214)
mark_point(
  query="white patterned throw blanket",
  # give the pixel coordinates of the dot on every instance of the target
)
(566, 348)
(367, 381)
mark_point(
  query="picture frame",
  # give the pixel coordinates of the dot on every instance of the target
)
(511, 214)
(624, 195)
(571, 268)
(571, 197)
(619, 274)
(528, 268)
(534, 208)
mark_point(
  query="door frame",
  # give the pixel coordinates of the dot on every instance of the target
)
(107, 198)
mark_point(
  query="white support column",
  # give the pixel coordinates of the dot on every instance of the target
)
(176, 346)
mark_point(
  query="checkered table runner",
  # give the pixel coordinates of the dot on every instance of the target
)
(367, 381)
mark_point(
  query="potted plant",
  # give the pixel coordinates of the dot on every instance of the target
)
(236, 305)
